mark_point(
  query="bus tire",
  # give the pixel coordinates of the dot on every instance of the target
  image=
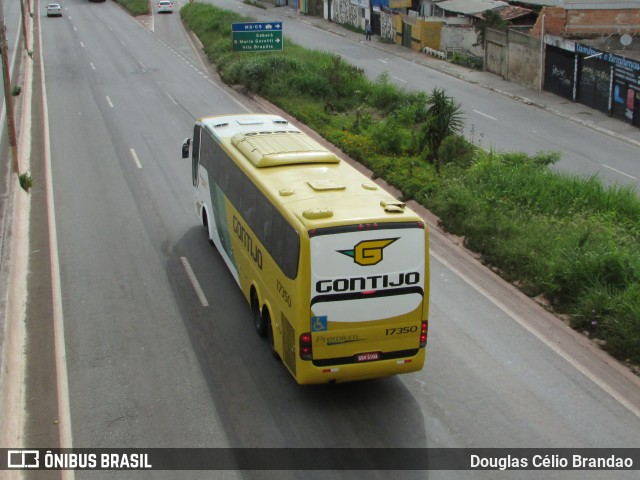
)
(272, 347)
(258, 321)
(205, 223)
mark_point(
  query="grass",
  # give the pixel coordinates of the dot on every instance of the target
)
(136, 7)
(572, 240)
(465, 60)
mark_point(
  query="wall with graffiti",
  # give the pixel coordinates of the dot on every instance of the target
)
(344, 12)
(387, 31)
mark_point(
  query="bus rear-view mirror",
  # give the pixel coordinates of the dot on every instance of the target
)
(185, 147)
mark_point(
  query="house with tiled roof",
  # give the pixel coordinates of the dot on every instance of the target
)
(469, 11)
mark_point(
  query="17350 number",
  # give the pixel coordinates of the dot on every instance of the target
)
(401, 330)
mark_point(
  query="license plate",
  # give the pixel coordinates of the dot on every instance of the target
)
(368, 357)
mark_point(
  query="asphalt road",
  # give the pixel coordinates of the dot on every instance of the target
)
(149, 366)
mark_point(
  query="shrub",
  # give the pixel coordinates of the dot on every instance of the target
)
(457, 150)
(621, 328)
(465, 60)
(26, 181)
(389, 136)
(383, 95)
(575, 270)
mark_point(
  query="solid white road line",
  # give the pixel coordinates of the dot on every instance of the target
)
(194, 282)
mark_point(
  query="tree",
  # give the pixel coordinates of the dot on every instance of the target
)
(490, 19)
(444, 118)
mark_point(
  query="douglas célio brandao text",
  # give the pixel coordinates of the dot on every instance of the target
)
(550, 462)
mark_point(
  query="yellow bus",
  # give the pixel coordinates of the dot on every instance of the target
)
(335, 270)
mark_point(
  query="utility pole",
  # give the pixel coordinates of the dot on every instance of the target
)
(8, 97)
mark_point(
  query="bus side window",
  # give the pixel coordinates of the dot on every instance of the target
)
(265, 220)
(234, 186)
(249, 197)
(291, 251)
(277, 244)
(224, 171)
(195, 155)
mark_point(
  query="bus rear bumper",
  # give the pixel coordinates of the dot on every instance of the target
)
(310, 374)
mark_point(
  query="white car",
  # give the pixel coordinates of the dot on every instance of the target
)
(54, 10)
(165, 6)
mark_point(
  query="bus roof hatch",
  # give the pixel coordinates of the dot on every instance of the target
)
(272, 149)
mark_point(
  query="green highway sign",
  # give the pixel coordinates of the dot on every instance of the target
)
(256, 36)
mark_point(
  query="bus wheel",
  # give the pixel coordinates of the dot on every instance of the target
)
(258, 321)
(272, 347)
(205, 223)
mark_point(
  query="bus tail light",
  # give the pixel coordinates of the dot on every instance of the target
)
(423, 333)
(306, 352)
(367, 226)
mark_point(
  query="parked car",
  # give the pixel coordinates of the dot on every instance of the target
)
(165, 6)
(54, 10)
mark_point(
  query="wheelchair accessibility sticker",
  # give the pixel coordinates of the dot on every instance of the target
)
(319, 324)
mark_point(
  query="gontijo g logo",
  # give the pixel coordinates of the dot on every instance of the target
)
(368, 252)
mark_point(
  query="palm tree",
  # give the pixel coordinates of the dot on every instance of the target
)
(444, 118)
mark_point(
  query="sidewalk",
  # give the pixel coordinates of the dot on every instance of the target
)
(562, 107)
